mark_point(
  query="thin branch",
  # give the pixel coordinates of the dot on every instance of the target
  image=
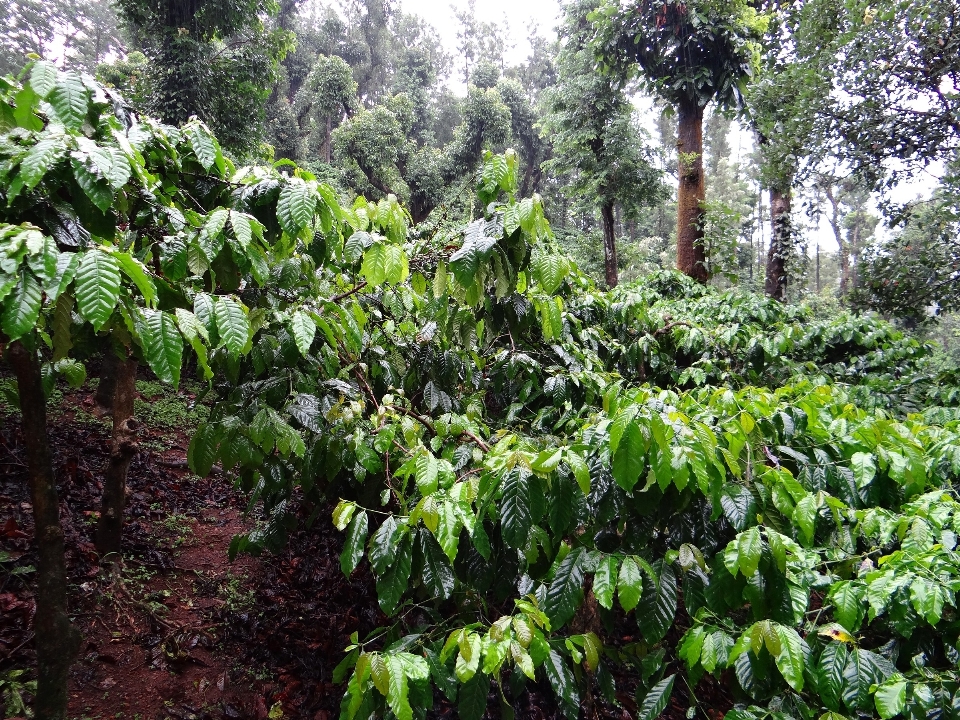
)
(341, 296)
(670, 326)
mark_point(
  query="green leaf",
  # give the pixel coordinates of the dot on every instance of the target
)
(655, 701)
(232, 324)
(135, 270)
(473, 697)
(380, 673)
(383, 545)
(97, 286)
(580, 470)
(563, 683)
(204, 145)
(393, 582)
(549, 269)
(792, 657)
(849, 600)
(202, 453)
(354, 544)
(605, 581)
(72, 371)
(242, 228)
(829, 674)
(437, 572)
(715, 651)
(657, 606)
(69, 98)
(162, 345)
(863, 670)
(738, 505)
(891, 697)
(428, 470)
(303, 329)
(62, 324)
(397, 265)
(398, 692)
(43, 77)
(749, 551)
(374, 267)
(295, 206)
(629, 584)
(864, 468)
(94, 186)
(21, 308)
(628, 461)
(805, 517)
(515, 509)
(39, 159)
(342, 513)
(565, 592)
(476, 247)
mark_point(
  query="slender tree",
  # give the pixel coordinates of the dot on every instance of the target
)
(597, 146)
(690, 54)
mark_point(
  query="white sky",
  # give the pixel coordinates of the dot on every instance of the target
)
(519, 15)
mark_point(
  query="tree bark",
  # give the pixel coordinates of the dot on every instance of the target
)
(107, 386)
(110, 526)
(326, 141)
(844, 248)
(57, 639)
(781, 241)
(610, 272)
(691, 258)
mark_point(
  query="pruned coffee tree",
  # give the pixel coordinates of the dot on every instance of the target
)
(118, 230)
(774, 517)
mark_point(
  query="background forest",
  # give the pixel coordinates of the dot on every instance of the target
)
(368, 98)
(522, 390)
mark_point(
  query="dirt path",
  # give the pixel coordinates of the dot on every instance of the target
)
(176, 631)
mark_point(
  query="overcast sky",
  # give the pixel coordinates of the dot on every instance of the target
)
(542, 14)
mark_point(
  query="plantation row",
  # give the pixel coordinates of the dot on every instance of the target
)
(527, 463)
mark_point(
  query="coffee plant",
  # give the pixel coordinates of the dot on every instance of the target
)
(614, 497)
(530, 465)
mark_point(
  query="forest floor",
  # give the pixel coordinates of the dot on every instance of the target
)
(177, 631)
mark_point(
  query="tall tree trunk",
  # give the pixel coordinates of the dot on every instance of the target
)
(107, 386)
(781, 242)
(818, 268)
(691, 193)
(110, 526)
(57, 640)
(610, 272)
(844, 248)
(327, 141)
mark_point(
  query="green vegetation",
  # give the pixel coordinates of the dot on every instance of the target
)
(619, 495)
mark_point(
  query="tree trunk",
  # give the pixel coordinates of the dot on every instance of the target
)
(781, 243)
(327, 141)
(107, 386)
(609, 246)
(57, 640)
(110, 526)
(691, 193)
(835, 225)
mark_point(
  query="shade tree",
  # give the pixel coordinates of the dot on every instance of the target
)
(689, 54)
(597, 147)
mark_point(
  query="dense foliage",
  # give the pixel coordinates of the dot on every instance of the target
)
(518, 494)
(613, 496)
